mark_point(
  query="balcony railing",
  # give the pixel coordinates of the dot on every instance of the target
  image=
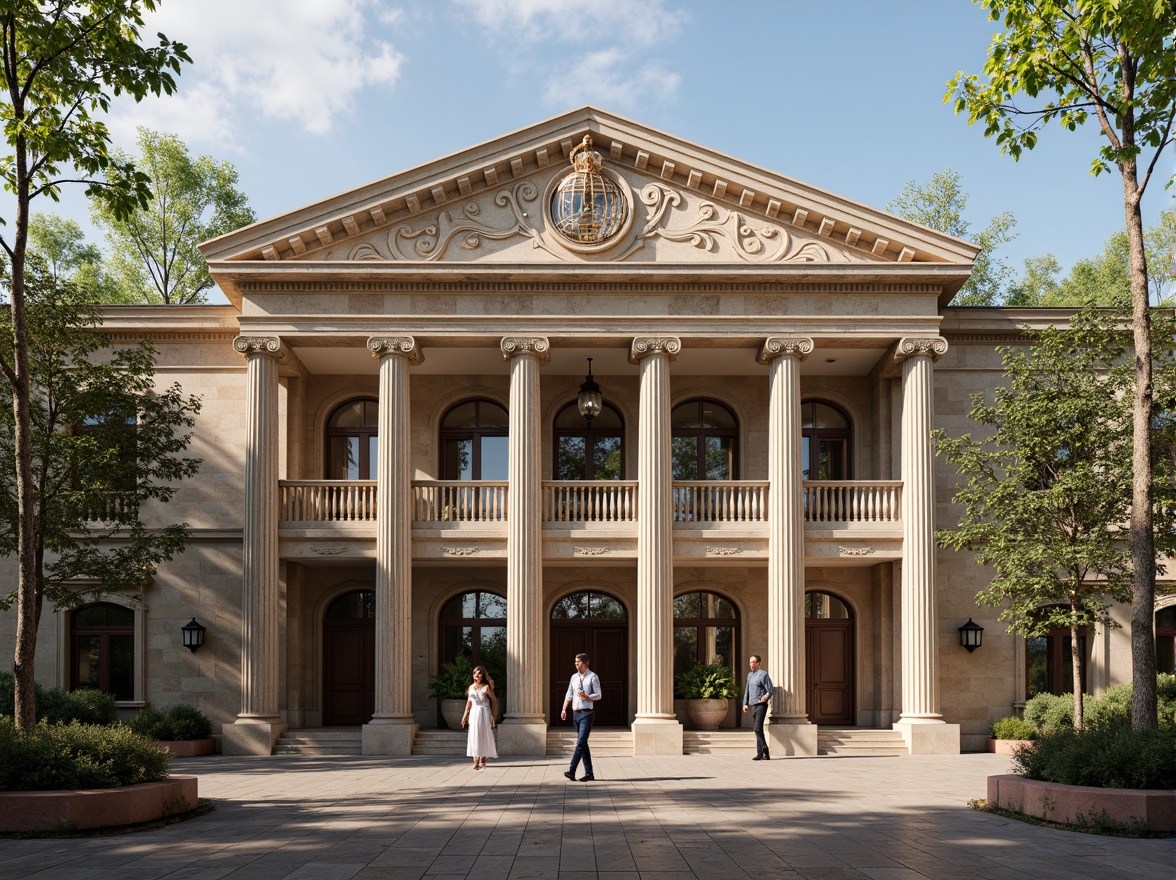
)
(459, 500)
(616, 501)
(852, 501)
(578, 501)
(715, 501)
(328, 500)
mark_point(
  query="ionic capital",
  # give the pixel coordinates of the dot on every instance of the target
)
(537, 346)
(933, 347)
(270, 346)
(643, 346)
(404, 346)
(798, 347)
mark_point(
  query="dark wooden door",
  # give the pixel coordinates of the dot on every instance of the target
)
(349, 671)
(829, 671)
(606, 642)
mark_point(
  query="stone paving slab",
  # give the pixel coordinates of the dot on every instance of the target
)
(692, 817)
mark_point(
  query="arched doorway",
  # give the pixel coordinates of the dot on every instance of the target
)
(349, 659)
(829, 659)
(597, 625)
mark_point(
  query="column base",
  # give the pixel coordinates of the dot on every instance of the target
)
(522, 736)
(657, 736)
(388, 736)
(930, 737)
(251, 736)
(787, 738)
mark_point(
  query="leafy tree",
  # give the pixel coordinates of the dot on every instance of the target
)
(1047, 487)
(1072, 61)
(153, 250)
(105, 444)
(63, 62)
(940, 204)
(68, 257)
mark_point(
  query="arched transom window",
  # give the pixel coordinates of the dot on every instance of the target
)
(706, 630)
(704, 441)
(351, 441)
(474, 624)
(826, 433)
(474, 441)
(589, 451)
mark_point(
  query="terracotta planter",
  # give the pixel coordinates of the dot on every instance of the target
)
(96, 808)
(451, 711)
(1063, 803)
(186, 748)
(707, 714)
(1007, 746)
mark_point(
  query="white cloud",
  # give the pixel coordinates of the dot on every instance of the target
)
(602, 79)
(292, 60)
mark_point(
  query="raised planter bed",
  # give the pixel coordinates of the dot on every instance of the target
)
(1063, 803)
(96, 808)
(186, 748)
(1007, 746)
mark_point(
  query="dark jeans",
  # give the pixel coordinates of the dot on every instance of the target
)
(759, 711)
(583, 722)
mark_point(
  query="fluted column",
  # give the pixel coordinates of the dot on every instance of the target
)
(656, 729)
(523, 731)
(920, 679)
(259, 723)
(391, 728)
(785, 660)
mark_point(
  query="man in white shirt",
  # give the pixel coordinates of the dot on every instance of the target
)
(583, 692)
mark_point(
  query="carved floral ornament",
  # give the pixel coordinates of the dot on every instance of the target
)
(592, 209)
(405, 346)
(933, 347)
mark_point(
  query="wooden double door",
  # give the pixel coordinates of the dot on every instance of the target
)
(349, 660)
(828, 671)
(606, 642)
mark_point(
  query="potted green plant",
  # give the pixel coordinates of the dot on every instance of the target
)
(708, 689)
(449, 687)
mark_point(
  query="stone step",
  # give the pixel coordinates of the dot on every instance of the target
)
(717, 742)
(439, 742)
(605, 742)
(860, 741)
(320, 741)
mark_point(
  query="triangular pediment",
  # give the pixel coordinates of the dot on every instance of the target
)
(490, 205)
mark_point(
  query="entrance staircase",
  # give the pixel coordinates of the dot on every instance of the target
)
(859, 742)
(320, 741)
(605, 742)
(718, 742)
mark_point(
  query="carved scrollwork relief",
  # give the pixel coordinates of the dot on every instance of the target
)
(799, 347)
(267, 345)
(855, 551)
(459, 551)
(516, 345)
(590, 551)
(646, 345)
(723, 551)
(405, 346)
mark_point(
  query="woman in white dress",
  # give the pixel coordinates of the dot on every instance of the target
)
(481, 708)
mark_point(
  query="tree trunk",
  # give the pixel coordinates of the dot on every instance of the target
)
(1143, 552)
(1079, 684)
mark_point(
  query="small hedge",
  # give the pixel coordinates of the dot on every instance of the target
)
(56, 706)
(180, 722)
(1048, 712)
(1013, 728)
(54, 757)
(1103, 755)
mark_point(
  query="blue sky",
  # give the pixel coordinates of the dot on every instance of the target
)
(309, 98)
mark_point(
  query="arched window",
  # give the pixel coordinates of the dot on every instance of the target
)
(589, 451)
(826, 433)
(474, 624)
(102, 649)
(704, 441)
(474, 442)
(1166, 640)
(351, 441)
(706, 630)
(1048, 666)
(825, 606)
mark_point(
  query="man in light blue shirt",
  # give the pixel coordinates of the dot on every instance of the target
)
(583, 692)
(756, 694)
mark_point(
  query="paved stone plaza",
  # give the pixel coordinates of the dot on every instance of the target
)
(669, 817)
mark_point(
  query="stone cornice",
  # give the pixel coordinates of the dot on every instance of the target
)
(674, 288)
(799, 347)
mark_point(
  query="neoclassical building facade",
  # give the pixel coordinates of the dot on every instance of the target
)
(584, 387)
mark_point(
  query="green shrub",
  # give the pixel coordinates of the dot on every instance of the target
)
(1049, 712)
(68, 756)
(454, 680)
(56, 706)
(1106, 755)
(1013, 728)
(180, 722)
(707, 681)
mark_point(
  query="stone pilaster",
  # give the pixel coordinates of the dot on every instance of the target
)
(523, 731)
(920, 721)
(789, 731)
(656, 730)
(391, 730)
(259, 723)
